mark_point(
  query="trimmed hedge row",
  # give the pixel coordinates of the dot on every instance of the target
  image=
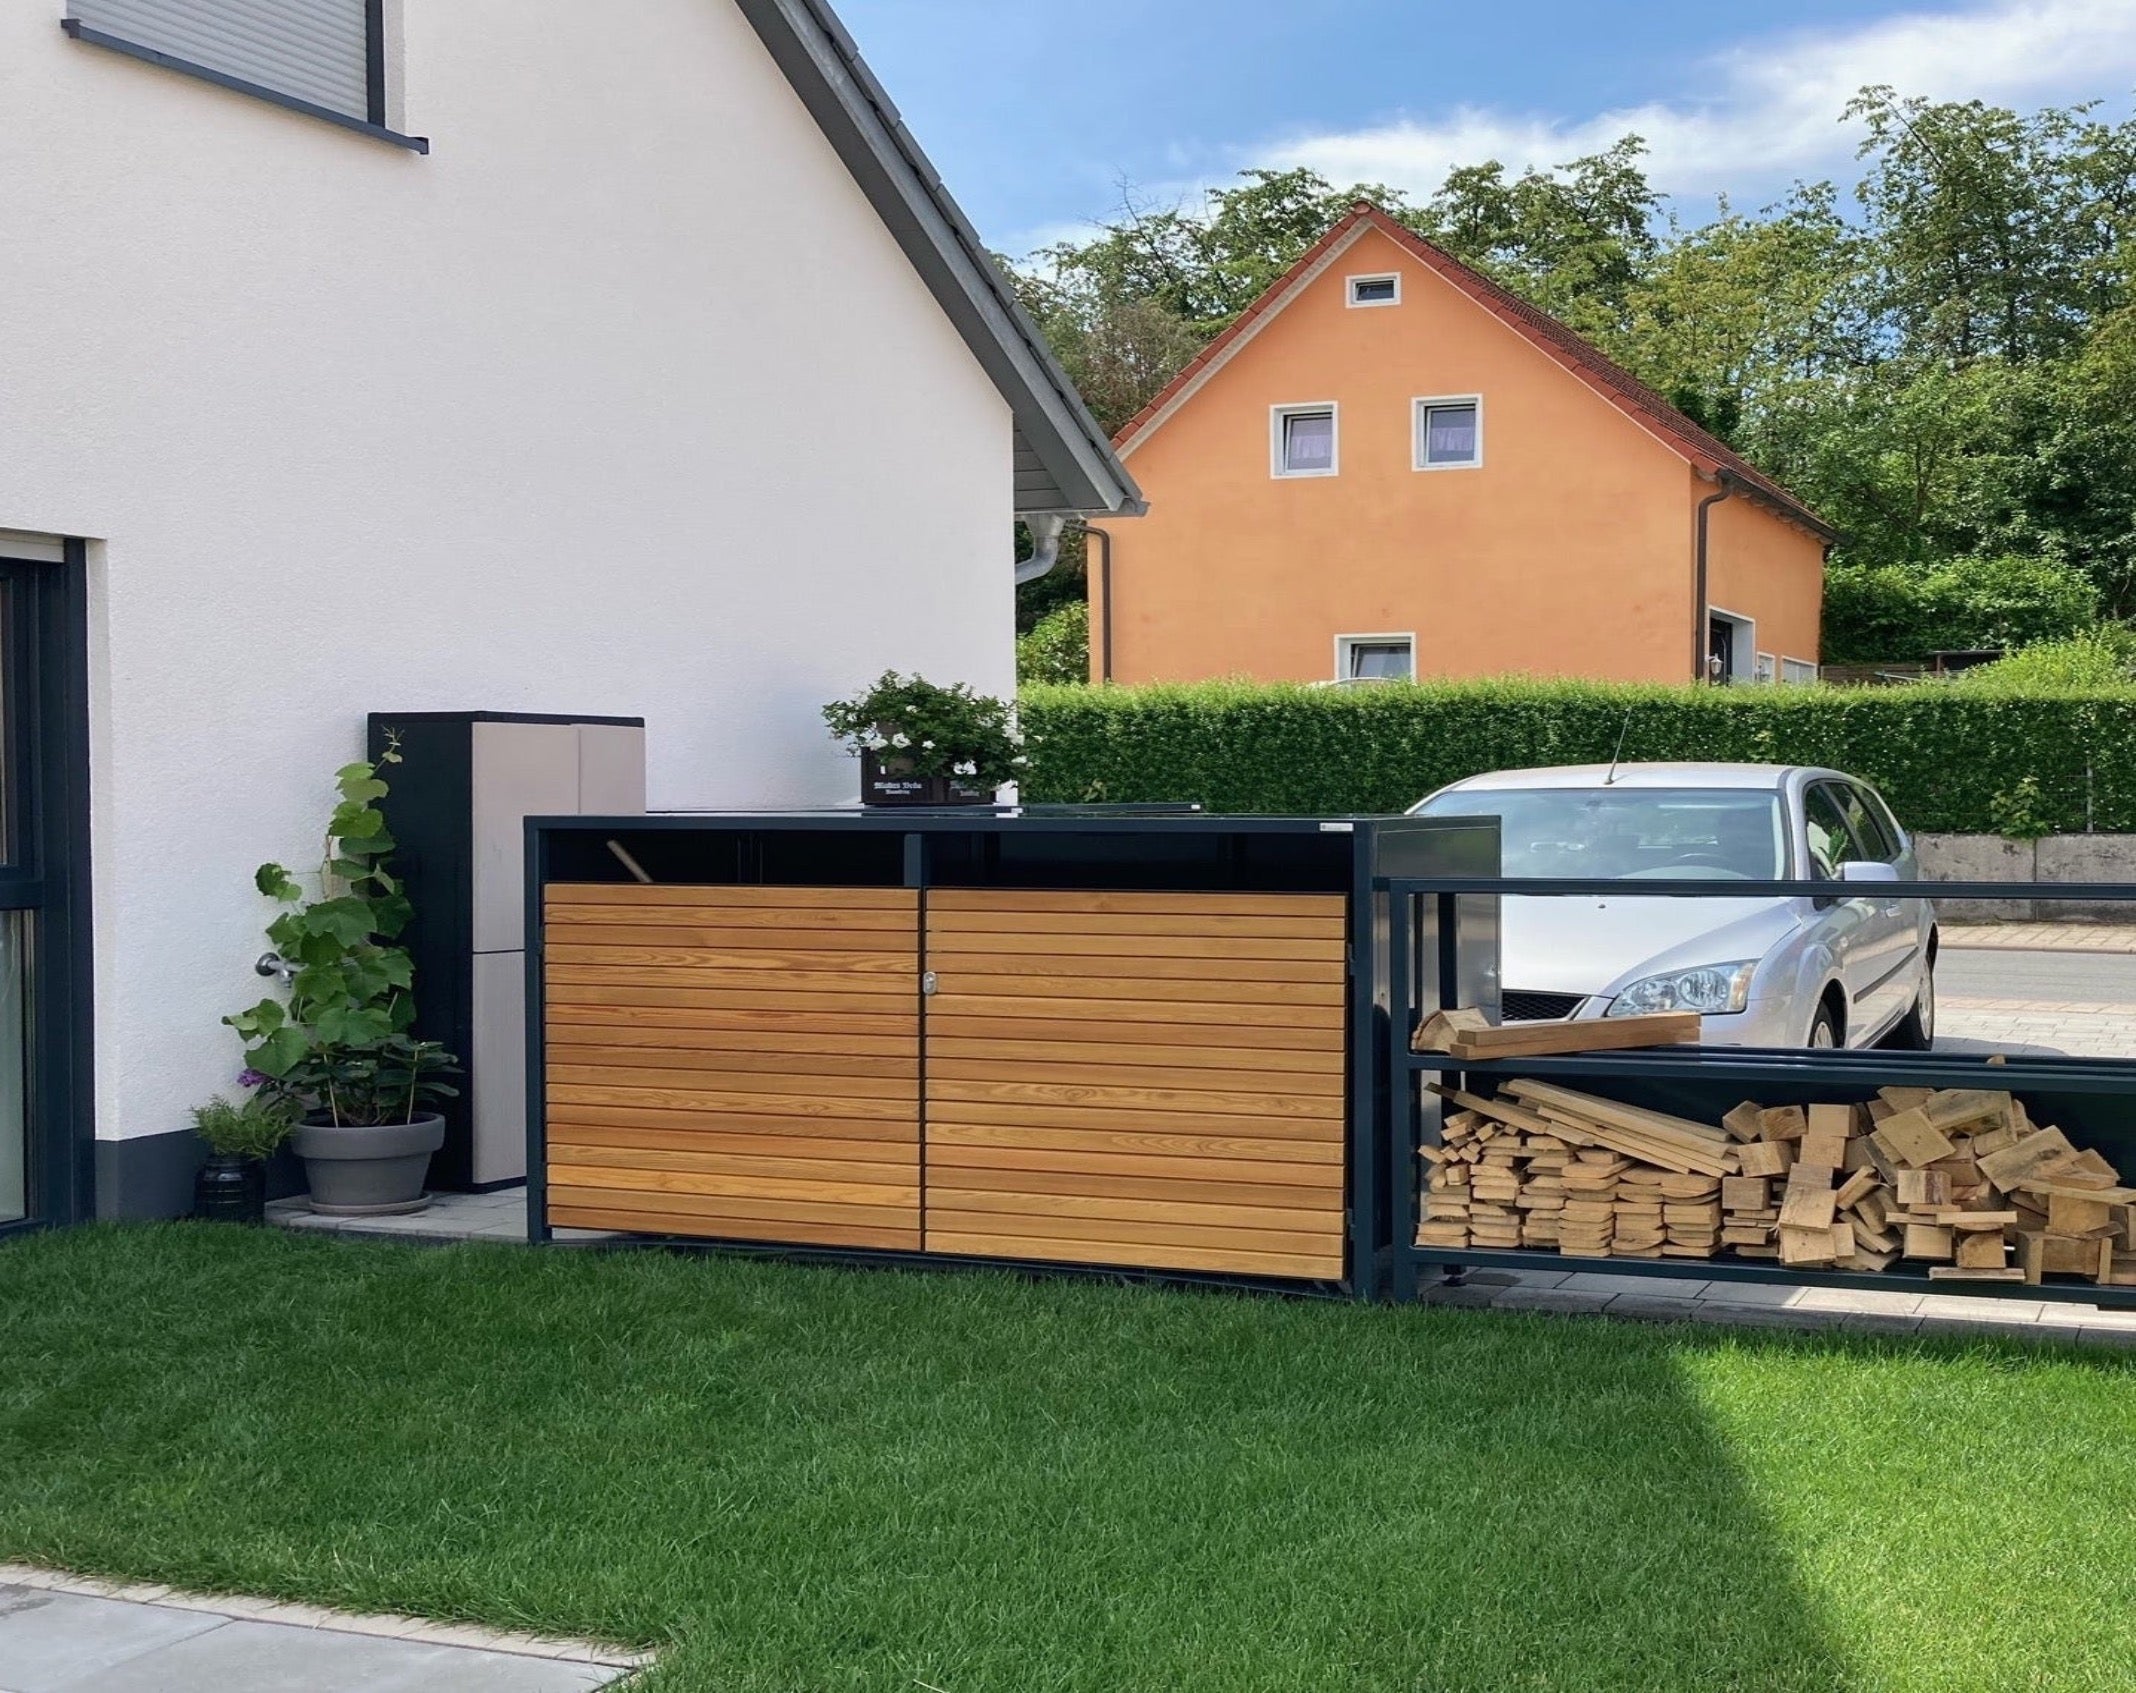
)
(1949, 759)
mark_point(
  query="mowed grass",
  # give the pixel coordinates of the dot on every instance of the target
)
(816, 1479)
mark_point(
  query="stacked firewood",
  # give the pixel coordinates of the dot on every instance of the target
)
(1961, 1180)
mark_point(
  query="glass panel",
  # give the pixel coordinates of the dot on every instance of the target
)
(1380, 659)
(14, 1066)
(1375, 290)
(1830, 844)
(1449, 434)
(1309, 441)
(1716, 834)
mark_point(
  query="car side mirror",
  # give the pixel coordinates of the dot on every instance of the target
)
(1867, 870)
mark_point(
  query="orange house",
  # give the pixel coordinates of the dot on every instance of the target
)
(1391, 466)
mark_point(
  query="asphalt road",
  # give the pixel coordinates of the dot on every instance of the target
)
(2084, 978)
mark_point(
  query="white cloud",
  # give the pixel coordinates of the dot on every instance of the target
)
(1771, 110)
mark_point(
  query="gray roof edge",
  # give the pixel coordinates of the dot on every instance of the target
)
(820, 60)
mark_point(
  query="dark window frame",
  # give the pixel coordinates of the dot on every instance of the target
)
(373, 123)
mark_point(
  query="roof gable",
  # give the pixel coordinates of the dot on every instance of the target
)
(1706, 453)
(1064, 463)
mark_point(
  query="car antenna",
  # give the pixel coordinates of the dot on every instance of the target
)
(1617, 757)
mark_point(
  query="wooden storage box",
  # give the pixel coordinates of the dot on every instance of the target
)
(1149, 1043)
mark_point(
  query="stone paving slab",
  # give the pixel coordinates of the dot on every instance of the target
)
(69, 1634)
(1780, 1305)
(2043, 937)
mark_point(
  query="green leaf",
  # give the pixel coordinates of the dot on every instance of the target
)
(276, 883)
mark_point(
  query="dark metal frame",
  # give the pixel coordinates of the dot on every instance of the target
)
(47, 874)
(372, 124)
(1439, 898)
(1365, 1031)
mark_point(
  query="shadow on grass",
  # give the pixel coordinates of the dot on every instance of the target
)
(838, 1480)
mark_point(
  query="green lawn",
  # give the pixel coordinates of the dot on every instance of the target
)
(811, 1479)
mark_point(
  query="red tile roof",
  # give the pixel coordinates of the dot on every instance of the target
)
(1711, 456)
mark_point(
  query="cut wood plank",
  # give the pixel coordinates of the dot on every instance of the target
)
(2033, 1156)
(902, 965)
(816, 1092)
(1909, 1139)
(1159, 1238)
(713, 1102)
(705, 935)
(654, 1123)
(1313, 1155)
(1959, 1273)
(1655, 1123)
(1135, 1254)
(696, 1061)
(1321, 1107)
(1121, 987)
(1468, 1034)
(1332, 907)
(714, 894)
(1246, 948)
(1746, 1121)
(1276, 925)
(774, 989)
(1038, 1018)
(1328, 1130)
(1196, 1048)
(1765, 1158)
(1150, 1075)
(1129, 964)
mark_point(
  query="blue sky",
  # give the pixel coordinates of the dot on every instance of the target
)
(1037, 110)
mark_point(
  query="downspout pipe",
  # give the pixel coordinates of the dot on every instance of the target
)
(1103, 598)
(1700, 634)
(1046, 531)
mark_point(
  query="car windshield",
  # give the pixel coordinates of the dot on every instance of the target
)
(1726, 834)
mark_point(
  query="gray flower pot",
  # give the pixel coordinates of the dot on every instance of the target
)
(374, 1171)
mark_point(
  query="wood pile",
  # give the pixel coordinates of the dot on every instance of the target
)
(1960, 1180)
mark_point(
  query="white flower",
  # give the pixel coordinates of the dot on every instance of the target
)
(927, 746)
(901, 739)
(1019, 761)
(967, 768)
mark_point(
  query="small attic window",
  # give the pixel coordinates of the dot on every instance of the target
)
(1375, 290)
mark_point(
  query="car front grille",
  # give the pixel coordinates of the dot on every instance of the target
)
(1516, 1006)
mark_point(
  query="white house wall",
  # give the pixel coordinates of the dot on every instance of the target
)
(621, 402)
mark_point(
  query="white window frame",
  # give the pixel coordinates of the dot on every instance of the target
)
(1745, 645)
(1765, 670)
(1278, 416)
(1350, 286)
(1798, 680)
(1420, 428)
(1344, 644)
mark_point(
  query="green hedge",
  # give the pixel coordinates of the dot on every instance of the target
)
(1949, 759)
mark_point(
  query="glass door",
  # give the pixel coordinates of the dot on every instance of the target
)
(44, 1013)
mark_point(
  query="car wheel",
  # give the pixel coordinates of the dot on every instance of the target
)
(1916, 1031)
(1824, 1029)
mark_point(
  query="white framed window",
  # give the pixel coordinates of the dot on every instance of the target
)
(1375, 658)
(1449, 432)
(1302, 440)
(1798, 672)
(1765, 673)
(1385, 290)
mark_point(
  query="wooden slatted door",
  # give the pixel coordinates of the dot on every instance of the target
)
(734, 1062)
(1153, 1080)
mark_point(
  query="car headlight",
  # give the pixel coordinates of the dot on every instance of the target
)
(1715, 988)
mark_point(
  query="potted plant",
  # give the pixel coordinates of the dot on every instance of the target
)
(241, 1135)
(923, 744)
(338, 1053)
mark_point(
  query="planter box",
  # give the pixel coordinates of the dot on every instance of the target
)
(880, 786)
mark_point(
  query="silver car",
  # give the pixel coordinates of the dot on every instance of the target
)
(1849, 968)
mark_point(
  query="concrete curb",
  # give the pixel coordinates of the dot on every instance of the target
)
(239, 1608)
